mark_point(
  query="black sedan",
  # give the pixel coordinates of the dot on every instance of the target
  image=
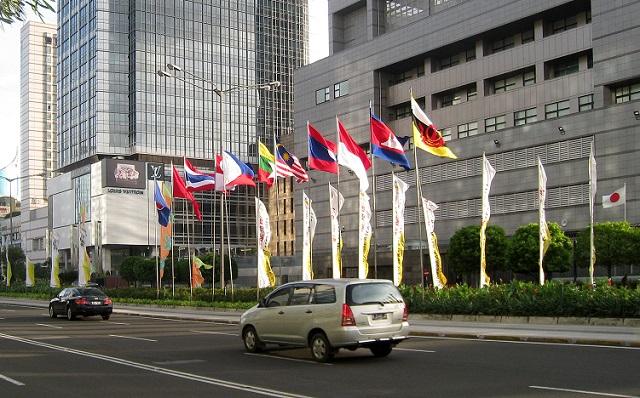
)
(85, 301)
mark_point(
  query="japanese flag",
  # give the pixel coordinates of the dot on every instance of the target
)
(617, 198)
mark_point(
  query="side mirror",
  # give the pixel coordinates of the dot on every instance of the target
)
(262, 303)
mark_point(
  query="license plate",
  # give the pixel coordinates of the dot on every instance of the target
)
(379, 316)
(96, 302)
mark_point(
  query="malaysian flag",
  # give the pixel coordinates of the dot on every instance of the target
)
(288, 165)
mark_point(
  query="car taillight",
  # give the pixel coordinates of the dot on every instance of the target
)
(347, 316)
(405, 313)
(107, 301)
(82, 301)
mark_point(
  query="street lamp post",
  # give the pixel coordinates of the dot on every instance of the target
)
(221, 93)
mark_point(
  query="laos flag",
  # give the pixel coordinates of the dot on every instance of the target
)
(385, 145)
(322, 152)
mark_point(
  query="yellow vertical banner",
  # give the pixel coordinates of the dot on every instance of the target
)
(335, 205)
(399, 199)
(544, 237)
(364, 235)
(307, 241)
(54, 280)
(266, 277)
(429, 208)
(488, 172)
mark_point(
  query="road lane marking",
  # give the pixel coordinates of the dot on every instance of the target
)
(10, 380)
(117, 323)
(211, 332)
(7, 310)
(183, 375)
(287, 359)
(49, 326)
(1, 318)
(412, 349)
(603, 394)
(567, 344)
(181, 362)
(132, 338)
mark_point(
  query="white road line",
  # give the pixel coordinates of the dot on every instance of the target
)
(117, 323)
(411, 349)
(525, 342)
(10, 380)
(155, 369)
(7, 310)
(603, 394)
(181, 362)
(49, 326)
(132, 338)
(287, 359)
(211, 332)
(1, 318)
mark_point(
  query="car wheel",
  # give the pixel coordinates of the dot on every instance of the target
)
(52, 313)
(70, 315)
(251, 341)
(381, 350)
(321, 349)
(106, 316)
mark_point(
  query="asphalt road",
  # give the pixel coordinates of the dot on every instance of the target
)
(133, 356)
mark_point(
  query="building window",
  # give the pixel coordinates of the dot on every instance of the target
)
(529, 78)
(527, 36)
(494, 123)
(467, 129)
(471, 92)
(446, 134)
(420, 70)
(401, 77)
(448, 62)
(525, 117)
(470, 54)
(340, 89)
(502, 85)
(439, 2)
(585, 103)
(402, 111)
(565, 67)
(323, 95)
(562, 24)
(556, 109)
(627, 93)
(502, 44)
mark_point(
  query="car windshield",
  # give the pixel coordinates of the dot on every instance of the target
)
(91, 291)
(373, 293)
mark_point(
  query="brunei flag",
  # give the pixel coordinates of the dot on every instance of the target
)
(426, 135)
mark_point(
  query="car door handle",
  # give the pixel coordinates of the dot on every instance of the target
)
(308, 312)
(280, 312)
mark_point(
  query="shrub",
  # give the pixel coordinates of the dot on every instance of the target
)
(464, 249)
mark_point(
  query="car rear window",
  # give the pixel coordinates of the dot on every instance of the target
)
(372, 293)
(324, 294)
(91, 291)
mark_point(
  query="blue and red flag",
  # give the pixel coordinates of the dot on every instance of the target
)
(322, 152)
(288, 165)
(385, 145)
(195, 180)
(235, 171)
(164, 211)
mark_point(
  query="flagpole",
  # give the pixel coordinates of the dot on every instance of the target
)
(418, 201)
(625, 201)
(375, 220)
(339, 251)
(155, 237)
(229, 249)
(173, 218)
(213, 237)
(275, 183)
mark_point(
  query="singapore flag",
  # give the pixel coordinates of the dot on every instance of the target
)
(617, 198)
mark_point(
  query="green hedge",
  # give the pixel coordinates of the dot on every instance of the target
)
(512, 299)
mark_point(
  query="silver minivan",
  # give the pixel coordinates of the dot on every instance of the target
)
(328, 314)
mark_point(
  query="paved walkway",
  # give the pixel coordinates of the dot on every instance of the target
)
(550, 330)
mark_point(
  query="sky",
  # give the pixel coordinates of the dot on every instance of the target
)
(10, 76)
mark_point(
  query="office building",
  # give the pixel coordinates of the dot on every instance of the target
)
(113, 103)
(515, 79)
(38, 146)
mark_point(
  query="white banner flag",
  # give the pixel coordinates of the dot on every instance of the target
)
(364, 235)
(266, 278)
(54, 281)
(84, 263)
(593, 180)
(544, 235)
(30, 277)
(335, 205)
(488, 172)
(428, 208)
(307, 265)
(399, 199)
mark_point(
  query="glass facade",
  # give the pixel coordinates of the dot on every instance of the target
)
(114, 102)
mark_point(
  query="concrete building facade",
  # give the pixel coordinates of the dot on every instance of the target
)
(515, 79)
(38, 141)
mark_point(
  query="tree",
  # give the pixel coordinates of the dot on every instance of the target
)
(524, 250)
(464, 249)
(617, 243)
(17, 258)
(230, 264)
(14, 10)
(128, 268)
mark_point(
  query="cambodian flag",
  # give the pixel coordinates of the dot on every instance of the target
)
(195, 180)
(235, 171)
(164, 211)
(322, 152)
(385, 145)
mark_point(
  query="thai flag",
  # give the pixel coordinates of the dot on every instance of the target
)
(164, 212)
(385, 145)
(322, 152)
(235, 172)
(195, 180)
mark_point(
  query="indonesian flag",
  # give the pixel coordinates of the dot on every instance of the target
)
(353, 157)
(617, 198)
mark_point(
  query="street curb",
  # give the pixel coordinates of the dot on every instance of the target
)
(532, 320)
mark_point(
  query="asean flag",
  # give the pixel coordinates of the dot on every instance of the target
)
(322, 152)
(385, 145)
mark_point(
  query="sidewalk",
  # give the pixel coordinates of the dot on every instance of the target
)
(611, 332)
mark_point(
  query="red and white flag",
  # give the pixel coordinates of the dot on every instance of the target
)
(617, 198)
(353, 157)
